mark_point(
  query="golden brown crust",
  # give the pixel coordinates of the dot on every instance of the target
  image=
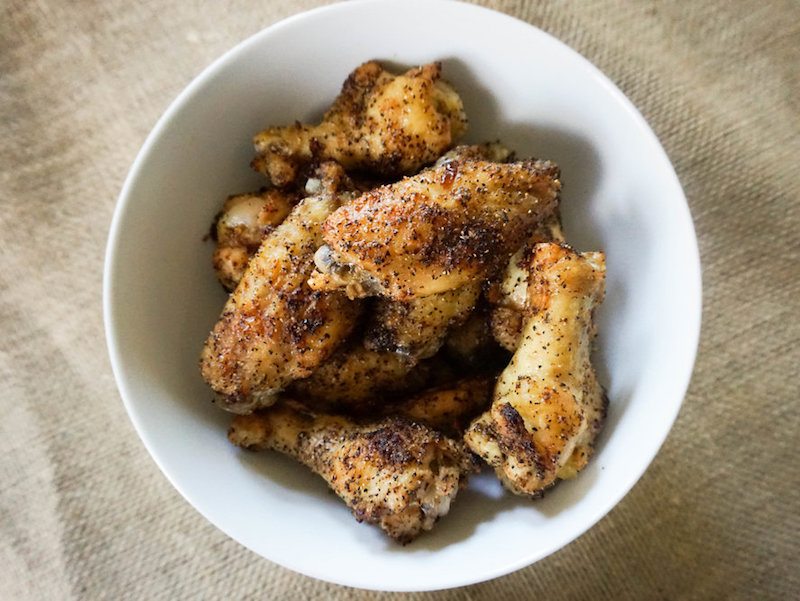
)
(395, 473)
(418, 328)
(548, 405)
(390, 125)
(274, 328)
(438, 230)
(356, 379)
(449, 408)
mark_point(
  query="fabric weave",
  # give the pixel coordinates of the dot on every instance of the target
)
(86, 513)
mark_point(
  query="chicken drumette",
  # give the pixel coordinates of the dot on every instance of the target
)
(382, 123)
(395, 473)
(548, 406)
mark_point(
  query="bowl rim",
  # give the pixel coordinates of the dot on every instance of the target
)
(684, 370)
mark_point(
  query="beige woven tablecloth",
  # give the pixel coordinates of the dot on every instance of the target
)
(85, 513)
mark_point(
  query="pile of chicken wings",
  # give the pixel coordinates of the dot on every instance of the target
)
(404, 308)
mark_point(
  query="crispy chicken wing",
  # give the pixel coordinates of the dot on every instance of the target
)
(418, 328)
(509, 297)
(450, 408)
(380, 122)
(274, 328)
(240, 227)
(443, 228)
(548, 405)
(397, 474)
(354, 378)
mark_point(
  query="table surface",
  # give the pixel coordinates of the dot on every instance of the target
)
(86, 513)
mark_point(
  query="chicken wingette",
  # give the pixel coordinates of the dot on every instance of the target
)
(381, 123)
(448, 408)
(395, 473)
(243, 222)
(443, 228)
(548, 405)
(354, 379)
(274, 328)
(418, 328)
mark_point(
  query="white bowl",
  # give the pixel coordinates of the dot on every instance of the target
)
(520, 85)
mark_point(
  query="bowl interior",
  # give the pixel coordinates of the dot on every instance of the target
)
(520, 86)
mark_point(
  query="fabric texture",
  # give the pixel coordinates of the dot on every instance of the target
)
(84, 511)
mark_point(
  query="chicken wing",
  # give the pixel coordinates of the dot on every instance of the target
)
(354, 378)
(450, 408)
(397, 474)
(380, 122)
(548, 405)
(240, 227)
(441, 229)
(274, 328)
(418, 328)
(509, 297)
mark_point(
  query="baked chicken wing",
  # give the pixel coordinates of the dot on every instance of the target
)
(449, 408)
(380, 122)
(548, 406)
(355, 378)
(395, 473)
(418, 328)
(441, 229)
(243, 222)
(274, 328)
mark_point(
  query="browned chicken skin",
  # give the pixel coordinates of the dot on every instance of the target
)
(548, 406)
(355, 378)
(443, 228)
(418, 328)
(449, 408)
(274, 328)
(380, 122)
(397, 474)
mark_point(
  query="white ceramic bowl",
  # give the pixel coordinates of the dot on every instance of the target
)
(520, 85)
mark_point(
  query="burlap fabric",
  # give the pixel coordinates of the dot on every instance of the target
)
(85, 513)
